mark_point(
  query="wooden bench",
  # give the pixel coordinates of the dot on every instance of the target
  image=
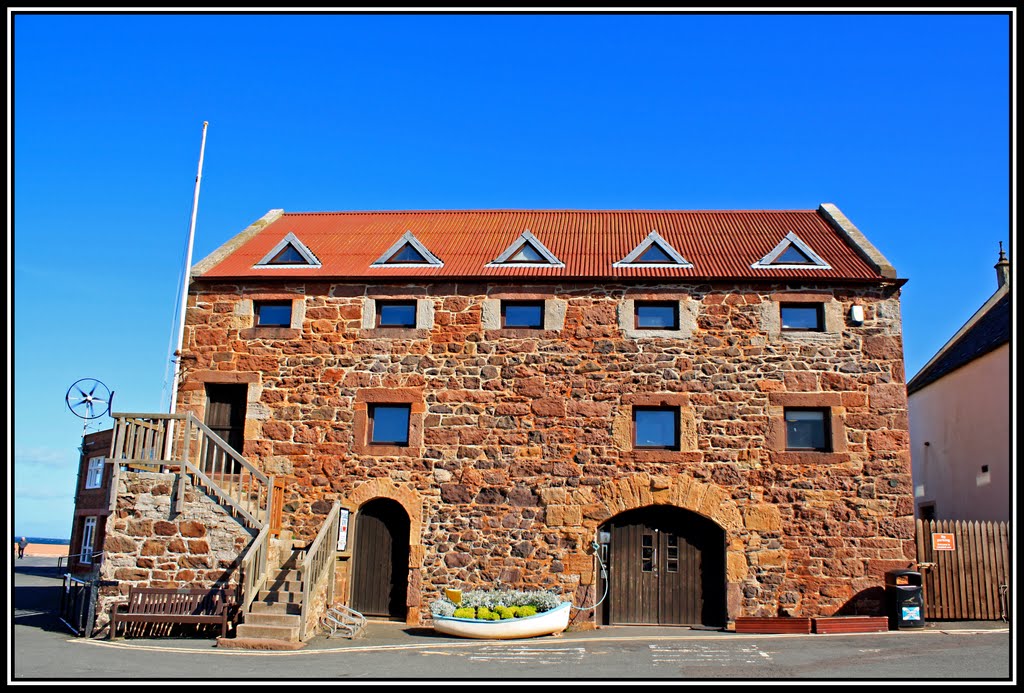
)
(216, 605)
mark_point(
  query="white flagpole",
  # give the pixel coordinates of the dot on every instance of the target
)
(184, 296)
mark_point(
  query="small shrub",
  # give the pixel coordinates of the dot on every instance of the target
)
(497, 604)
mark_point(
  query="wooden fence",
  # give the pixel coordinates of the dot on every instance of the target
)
(965, 569)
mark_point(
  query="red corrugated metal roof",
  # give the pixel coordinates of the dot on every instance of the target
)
(719, 244)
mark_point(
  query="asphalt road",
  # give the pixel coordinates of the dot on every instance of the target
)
(42, 648)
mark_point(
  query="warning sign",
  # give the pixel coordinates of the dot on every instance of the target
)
(943, 542)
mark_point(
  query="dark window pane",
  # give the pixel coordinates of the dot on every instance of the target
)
(673, 566)
(657, 316)
(656, 428)
(527, 254)
(801, 317)
(274, 314)
(793, 256)
(407, 253)
(523, 315)
(390, 424)
(288, 256)
(655, 254)
(397, 314)
(806, 429)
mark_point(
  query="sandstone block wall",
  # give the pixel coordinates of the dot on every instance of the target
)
(147, 544)
(525, 446)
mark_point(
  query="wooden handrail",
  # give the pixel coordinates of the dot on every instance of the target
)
(319, 557)
(145, 440)
(254, 568)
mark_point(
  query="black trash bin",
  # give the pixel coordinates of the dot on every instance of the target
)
(904, 596)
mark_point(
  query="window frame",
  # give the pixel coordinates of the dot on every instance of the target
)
(819, 309)
(539, 304)
(672, 305)
(826, 423)
(371, 412)
(259, 304)
(94, 472)
(88, 535)
(379, 316)
(676, 445)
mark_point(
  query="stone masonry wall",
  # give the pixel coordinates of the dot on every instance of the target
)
(524, 436)
(149, 545)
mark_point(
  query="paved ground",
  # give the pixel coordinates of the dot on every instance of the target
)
(44, 649)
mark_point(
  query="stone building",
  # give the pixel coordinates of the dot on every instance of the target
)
(711, 404)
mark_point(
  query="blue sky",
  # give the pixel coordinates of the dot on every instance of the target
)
(902, 121)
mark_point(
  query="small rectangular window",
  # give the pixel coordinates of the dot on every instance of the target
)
(802, 316)
(396, 314)
(273, 313)
(808, 429)
(656, 428)
(389, 424)
(522, 314)
(94, 474)
(656, 315)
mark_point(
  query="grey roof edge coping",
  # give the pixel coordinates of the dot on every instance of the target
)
(857, 240)
(214, 258)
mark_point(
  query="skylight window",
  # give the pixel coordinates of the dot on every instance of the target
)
(527, 251)
(791, 253)
(290, 252)
(653, 251)
(408, 251)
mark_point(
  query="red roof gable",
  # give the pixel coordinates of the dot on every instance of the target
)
(719, 244)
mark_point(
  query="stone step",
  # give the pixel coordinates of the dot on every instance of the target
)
(279, 596)
(263, 619)
(275, 608)
(283, 586)
(284, 576)
(248, 630)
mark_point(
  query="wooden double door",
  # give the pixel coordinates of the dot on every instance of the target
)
(666, 566)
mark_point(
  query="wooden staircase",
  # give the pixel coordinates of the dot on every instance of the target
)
(276, 575)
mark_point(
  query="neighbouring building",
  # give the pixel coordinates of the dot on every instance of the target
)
(92, 503)
(959, 405)
(712, 403)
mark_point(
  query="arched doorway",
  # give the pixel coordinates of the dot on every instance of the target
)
(666, 566)
(380, 559)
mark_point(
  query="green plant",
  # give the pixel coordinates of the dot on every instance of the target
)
(492, 605)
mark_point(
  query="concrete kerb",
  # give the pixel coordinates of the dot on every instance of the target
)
(382, 637)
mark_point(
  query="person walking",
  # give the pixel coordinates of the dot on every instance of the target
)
(22, 545)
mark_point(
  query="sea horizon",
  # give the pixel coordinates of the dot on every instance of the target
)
(41, 540)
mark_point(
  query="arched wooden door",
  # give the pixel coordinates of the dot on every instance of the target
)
(380, 559)
(666, 566)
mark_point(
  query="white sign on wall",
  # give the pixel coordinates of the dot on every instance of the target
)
(343, 530)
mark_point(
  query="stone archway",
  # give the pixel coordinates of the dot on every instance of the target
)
(412, 503)
(580, 512)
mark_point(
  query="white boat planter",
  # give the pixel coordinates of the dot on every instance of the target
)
(546, 623)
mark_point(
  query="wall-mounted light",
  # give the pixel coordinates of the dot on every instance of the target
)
(856, 315)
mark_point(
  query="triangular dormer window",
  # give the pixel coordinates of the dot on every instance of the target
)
(290, 252)
(407, 252)
(527, 251)
(791, 253)
(653, 251)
